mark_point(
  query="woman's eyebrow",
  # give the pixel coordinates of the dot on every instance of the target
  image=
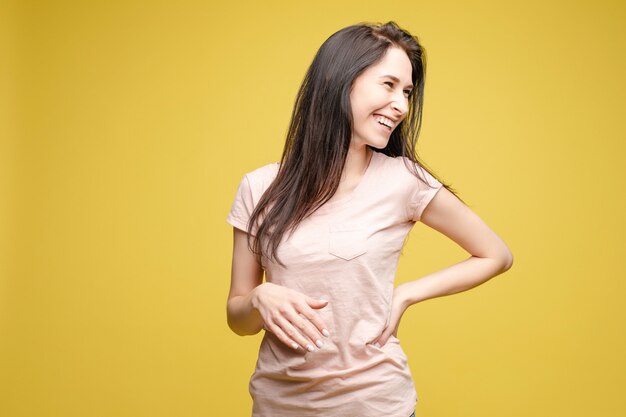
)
(396, 79)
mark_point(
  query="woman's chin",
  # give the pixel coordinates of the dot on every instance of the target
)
(379, 144)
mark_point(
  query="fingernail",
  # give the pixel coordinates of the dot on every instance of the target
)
(319, 343)
(323, 301)
(377, 345)
(294, 345)
(326, 333)
(310, 348)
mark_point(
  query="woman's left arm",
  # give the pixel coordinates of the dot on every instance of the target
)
(490, 256)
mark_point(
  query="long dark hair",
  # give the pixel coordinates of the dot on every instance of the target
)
(320, 130)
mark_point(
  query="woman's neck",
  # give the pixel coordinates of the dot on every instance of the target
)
(354, 169)
(356, 164)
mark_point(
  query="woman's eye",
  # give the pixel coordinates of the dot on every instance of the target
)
(408, 93)
(389, 83)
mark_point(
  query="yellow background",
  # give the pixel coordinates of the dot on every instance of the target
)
(127, 125)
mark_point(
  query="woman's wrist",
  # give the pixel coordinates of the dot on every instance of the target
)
(252, 301)
(253, 297)
(401, 291)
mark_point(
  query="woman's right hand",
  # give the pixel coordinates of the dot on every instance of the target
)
(290, 315)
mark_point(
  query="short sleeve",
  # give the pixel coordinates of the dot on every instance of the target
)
(242, 206)
(425, 189)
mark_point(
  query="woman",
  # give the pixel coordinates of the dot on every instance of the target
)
(327, 225)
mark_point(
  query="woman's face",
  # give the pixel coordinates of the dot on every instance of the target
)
(379, 99)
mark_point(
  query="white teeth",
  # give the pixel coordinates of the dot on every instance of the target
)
(385, 121)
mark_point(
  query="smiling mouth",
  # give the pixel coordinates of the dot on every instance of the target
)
(384, 122)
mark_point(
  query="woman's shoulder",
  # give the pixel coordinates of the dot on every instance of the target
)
(261, 177)
(403, 169)
(396, 164)
(267, 170)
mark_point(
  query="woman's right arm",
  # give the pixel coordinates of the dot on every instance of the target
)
(253, 305)
(246, 276)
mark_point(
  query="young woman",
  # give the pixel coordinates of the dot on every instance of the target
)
(327, 224)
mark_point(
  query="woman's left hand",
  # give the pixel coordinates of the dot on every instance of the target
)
(399, 305)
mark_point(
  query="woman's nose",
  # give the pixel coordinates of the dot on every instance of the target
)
(400, 106)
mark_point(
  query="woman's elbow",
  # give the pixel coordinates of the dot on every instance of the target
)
(241, 318)
(506, 259)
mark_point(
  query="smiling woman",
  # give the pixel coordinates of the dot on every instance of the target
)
(327, 226)
(380, 101)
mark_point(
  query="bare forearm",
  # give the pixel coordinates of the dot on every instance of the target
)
(454, 279)
(242, 317)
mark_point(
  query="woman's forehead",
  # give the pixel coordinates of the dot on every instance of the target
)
(395, 64)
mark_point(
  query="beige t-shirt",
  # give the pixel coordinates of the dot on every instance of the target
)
(347, 253)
